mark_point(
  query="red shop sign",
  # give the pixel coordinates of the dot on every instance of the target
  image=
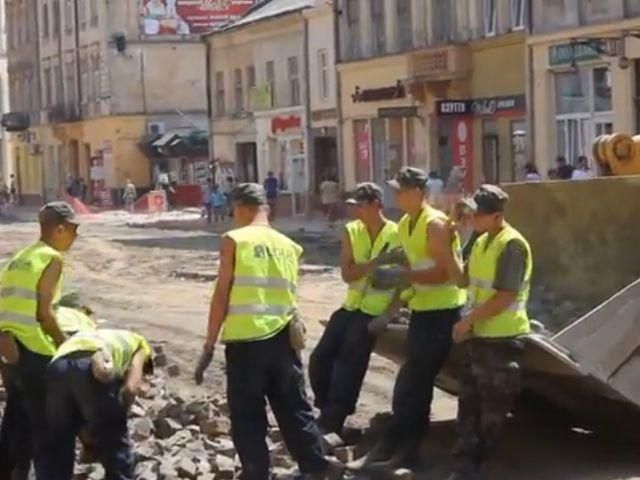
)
(463, 148)
(285, 123)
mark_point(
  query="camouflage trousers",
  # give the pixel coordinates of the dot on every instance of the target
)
(490, 382)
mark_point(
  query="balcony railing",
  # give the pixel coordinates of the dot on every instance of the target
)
(64, 113)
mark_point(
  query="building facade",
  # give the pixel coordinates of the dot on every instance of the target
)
(6, 167)
(106, 91)
(585, 75)
(269, 113)
(420, 87)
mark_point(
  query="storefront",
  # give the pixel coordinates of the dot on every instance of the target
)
(582, 89)
(281, 150)
(485, 137)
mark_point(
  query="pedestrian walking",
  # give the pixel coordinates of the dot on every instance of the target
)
(271, 188)
(253, 311)
(207, 207)
(218, 203)
(339, 362)
(329, 197)
(13, 190)
(498, 275)
(435, 308)
(129, 196)
(93, 380)
(30, 286)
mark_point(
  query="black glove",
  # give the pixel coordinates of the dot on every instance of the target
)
(392, 257)
(203, 363)
(387, 278)
(379, 324)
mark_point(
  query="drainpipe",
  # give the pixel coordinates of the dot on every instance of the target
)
(310, 159)
(530, 89)
(208, 51)
(338, 94)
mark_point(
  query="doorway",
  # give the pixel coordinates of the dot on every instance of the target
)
(247, 166)
(325, 158)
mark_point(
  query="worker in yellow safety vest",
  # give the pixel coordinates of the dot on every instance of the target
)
(253, 310)
(92, 380)
(30, 286)
(435, 306)
(340, 360)
(15, 434)
(498, 276)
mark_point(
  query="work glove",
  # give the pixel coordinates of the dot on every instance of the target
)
(203, 363)
(387, 278)
(392, 257)
(379, 324)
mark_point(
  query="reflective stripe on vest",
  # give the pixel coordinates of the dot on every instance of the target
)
(483, 262)
(360, 294)
(19, 297)
(416, 246)
(120, 344)
(262, 297)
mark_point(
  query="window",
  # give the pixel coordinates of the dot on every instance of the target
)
(55, 13)
(517, 14)
(323, 71)
(378, 27)
(405, 28)
(238, 91)
(84, 80)
(70, 81)
(270, 70)
(93, 12)
(82, 14)
(45, 20)
(490, 17)
(68, 16)
(96, 84)
(220, 100)
(556, 14)
(442, 21)
(353, 28)
(46, 91)
(57, 96)
(294, 80)
(631, 8)
(592, 11)
(251, 83)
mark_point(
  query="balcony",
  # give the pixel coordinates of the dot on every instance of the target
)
(15, 121)
(64, 113)
(451, 62)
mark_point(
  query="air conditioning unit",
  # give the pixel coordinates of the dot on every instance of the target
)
(155, 128)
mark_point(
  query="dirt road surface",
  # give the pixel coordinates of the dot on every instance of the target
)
(159, 282)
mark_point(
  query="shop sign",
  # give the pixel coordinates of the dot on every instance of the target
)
(398, 112)
(285, 123)
(463, 147)
(261, 97)
(327, 114)
(567, 53)
(377, 94)
(482, 106)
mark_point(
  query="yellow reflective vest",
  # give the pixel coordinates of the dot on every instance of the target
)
(360, 294)
(122, 345)
(72, 320)
(262, 300)
(19, 297)
(416, 247)
(482, 271)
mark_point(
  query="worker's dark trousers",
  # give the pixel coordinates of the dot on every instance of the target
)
(29, 390)
(270, 369)
(75, 398)
(338, 365)
(429, 341)
(15, 438)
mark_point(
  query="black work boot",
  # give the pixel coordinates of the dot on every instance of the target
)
(381, 453)
(466, 470)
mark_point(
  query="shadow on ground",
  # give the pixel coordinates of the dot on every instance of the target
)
(533, 452)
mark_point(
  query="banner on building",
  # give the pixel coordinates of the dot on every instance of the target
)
(187, 17)
(463, 148)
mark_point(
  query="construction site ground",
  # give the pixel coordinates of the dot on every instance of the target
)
(159, 281)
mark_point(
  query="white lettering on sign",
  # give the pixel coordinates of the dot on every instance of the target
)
(453, 107)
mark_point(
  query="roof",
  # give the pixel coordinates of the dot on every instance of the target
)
(265, 10)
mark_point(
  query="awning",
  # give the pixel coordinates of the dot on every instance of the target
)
(165, 140)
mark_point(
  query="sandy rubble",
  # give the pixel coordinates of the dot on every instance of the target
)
(159, 282)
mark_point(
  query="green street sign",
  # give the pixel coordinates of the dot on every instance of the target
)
(565, 53)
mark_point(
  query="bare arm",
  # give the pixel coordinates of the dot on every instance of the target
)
(350, 270)
(220, 299)
(45, 313)
(136, 371)
(439, 244)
